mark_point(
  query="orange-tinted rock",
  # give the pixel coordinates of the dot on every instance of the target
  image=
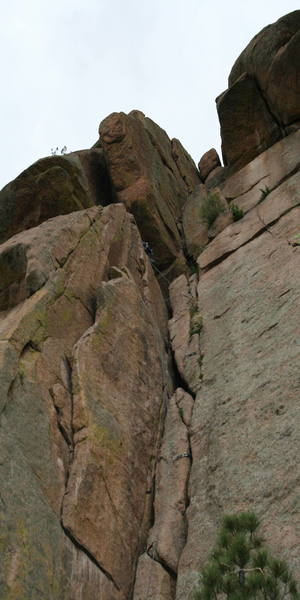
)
(84, 375)
(151, 184)
(185, 165)
(208, 162)
(115, 414)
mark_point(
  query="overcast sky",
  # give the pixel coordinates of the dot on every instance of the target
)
(67, 64)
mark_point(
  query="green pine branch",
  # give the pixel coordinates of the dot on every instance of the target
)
(242, 568)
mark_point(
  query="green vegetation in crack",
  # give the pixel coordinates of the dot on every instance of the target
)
(296, 240)
(211, 207)
(264, 193)
(196, 324)
(196, 320)
(236, 212)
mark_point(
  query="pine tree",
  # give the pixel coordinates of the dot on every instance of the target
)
(241, 567)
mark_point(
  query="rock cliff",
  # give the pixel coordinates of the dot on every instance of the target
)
(149, 351)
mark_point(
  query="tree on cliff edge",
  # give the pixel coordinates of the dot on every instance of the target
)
(241, 568)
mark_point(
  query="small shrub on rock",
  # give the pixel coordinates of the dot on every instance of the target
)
(237, 213)
(264, 193)
(241, 567)
(211, 208)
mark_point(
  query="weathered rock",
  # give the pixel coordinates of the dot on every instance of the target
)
(72, 393)
(221, 222)
(194, 228)
(275, 204)
(185, 327)
(248, 186)
(244, 433)
(96, 496)
(216, 177)
(167, 537)
(52, 186)
(247, 126)
(208, 162)
(185, 165)
(152, 581)
(113, 443)
(261, 104)
(94, 167)
(151, 184)
(199, 227)
(273, 58)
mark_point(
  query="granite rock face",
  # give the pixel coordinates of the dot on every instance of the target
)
(261, 104)
(81, 405)
(247, 126)
(208, 163)
(152, 177)
(244, 433)
(133, 413)
(53, 186)
(273, 57)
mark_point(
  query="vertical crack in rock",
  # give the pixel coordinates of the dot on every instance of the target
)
(167, 536)
(63, 400)
(100, 493)
(153, 581)
(62, 397)
(184, 328)
(89, 555)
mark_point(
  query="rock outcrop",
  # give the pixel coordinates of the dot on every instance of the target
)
(53, 186)
(261, 104)
(149, 346)
(208, 163)
(152, 176)
(84, 384)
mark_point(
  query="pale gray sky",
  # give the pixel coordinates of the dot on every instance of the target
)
(67, 64)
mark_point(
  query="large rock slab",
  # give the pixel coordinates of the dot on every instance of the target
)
(244, 137)
(153, 581)
(53, 186)
(265, 172)
(152, 177)
(115, 425)
(245, 425)
(74, 387)
(275, 204)
(168, 534)
(261, 104)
